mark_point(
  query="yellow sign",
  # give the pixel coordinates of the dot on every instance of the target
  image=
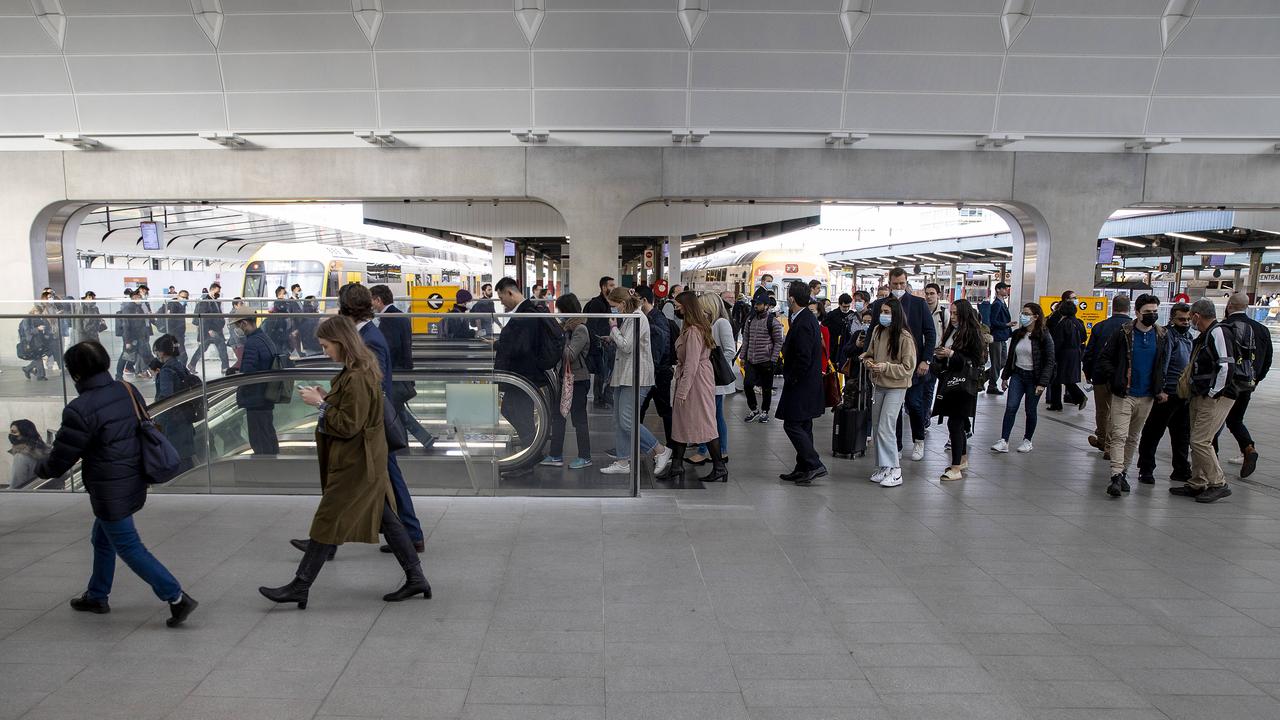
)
(1090, 310)
(431, 299)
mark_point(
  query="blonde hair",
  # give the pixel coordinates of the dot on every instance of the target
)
(624, 297)
(341, 331)
(713, 306)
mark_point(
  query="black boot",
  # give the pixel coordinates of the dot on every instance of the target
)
(296, 591)
(302, 545)
(179, 611)
(674, 471)
(719, 473)
(415, 581)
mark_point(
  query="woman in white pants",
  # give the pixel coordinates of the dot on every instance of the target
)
(891, 360)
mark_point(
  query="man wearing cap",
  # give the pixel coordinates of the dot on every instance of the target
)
(458, 328)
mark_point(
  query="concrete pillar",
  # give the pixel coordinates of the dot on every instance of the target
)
(673, 260)
(499, 258)
(1255, 269)
(1235, 280)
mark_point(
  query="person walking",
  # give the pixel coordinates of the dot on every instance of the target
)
(397, 328)
(1068, 345)
(891, 360)
(920, 323)
(630, 352)
(1173, 413)
(802, 397)
(959, 361)
(28, 450)
(662, 340)
(576, 346)
(998, 321)
(209, 326)
(1135, 359)
(514, 351)
(99, 430)
(356, 501)
(1212, 393)
(693, 411)
(1101, 394)
(839, 322)
(171, 379)
(1026, 374)
(35, 335)
(761, 343)
(1253, 341)
(259, 412)
(722, 333)
(602, 355)
(90, 326)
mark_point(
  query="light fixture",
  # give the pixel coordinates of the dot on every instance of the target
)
(1131, 243)
(75, 140)
(1273, 247)
(1146, 143)
(381, 138)
(1216, 252)
(949, 255)
(999, 140)
(531, 136)
(693, 136)
(845, 138)
(1002, 252)
(1184, 236)
(225, 139)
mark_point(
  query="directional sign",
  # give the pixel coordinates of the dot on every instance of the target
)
(435, 301)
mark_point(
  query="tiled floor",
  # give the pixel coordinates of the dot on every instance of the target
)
(1022, 592)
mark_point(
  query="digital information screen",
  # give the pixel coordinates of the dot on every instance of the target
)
(150, 235)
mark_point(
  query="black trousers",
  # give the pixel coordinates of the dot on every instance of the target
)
(915, 406)
(958, 429)
(262, 431)
(601, 380)
(517, 408)
(660, 396)
(1073, 394)
(800, 433)
(759, 375)
(1173, 415)
(1235, 422)
(217, 341)
(578, 412)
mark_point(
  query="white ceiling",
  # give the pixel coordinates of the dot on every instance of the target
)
(1087, 67)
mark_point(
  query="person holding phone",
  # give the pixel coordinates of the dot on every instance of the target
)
(891, 361)
(1027, 372)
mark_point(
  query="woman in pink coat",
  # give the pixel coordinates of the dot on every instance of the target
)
(693, 410)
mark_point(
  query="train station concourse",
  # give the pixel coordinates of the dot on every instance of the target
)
(658, 359)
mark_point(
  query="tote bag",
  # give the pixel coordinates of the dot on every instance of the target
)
(160, 459)
(720, 367)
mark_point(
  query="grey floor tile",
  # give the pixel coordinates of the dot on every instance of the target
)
(911, 655)
(1073, 694)
(472, 711)
(813, 693)
(393, 702)
(656, 678)
(243, 708)
(536, 691)
(676, 706)
(917, 680)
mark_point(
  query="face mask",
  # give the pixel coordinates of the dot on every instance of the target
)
(886, 320)
(1149, 319)
(13, 439)
(859, 306)
(897, 293)
(614, 310)
(680, 314)
(1024, 320)
(1181, 330)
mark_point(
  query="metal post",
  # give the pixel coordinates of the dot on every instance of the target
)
(1176, 262)
(1255, 269)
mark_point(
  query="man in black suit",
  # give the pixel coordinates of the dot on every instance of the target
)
(515, 351)
(921, 326)
(398, 332)
(601, 364)
(802, 399)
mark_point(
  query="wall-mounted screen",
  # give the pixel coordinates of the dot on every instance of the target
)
(150, 235)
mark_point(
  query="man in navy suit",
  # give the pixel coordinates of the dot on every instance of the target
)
(802, 399)
(398, 331)
(998, 322)
(920, 325)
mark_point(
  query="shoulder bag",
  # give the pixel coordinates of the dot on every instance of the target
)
(397, 436)
(720, 367)
(160, 461)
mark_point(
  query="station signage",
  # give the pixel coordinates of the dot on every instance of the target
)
(1269, 277)
(1090, 310)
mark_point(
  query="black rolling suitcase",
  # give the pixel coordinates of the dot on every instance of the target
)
(852, 418)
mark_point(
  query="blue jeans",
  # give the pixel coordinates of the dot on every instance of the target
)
(120, 537)
(624, 418)
(721, 427)
(1022, 390)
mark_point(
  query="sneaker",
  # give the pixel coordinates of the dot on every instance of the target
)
(1213, 494)
(1001, 446)
(1186, 491)
(662, 461)
(947, 446)
(751, 417)
(1026, 447)
(1095, 442)
(893, 478)
(764, 417)
(917, 450)
(179, 611)
(879, 475)
(1114, 488)
(552, 461)
(1084, 402)
(611, 453)
(1146, 478)
(1124, 482)
(617, 467)
(579, 463)
(84, 603)
(1250, 463)
(1237, 460)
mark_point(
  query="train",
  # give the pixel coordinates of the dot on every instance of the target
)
(739, 273)
(322, 269)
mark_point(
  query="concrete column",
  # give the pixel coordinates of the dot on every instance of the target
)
(499, 258)
(1235, 280)
(1255, 269)
(673, 260)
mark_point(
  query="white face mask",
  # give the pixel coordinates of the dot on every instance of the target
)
(897, 293)
(859, 306)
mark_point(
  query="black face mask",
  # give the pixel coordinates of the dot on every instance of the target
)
(13, 439)
(680, 314)
(1149, 318)
(1182, 330)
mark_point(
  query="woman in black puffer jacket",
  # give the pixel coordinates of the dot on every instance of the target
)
(100, 429)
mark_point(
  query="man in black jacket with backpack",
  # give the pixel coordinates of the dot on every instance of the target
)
(1253, 342)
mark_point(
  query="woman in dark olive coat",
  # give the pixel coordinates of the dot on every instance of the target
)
(356, 501)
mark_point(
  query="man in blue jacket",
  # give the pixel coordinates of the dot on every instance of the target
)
(398, 330)
(802, 399)
(259, 412)
(924, 331)
(1102, 385)
(998, 322)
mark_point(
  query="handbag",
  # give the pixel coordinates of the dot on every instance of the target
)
(720, 367)
(160, 461)
(397, 436)
(566, 391)
(831, 391)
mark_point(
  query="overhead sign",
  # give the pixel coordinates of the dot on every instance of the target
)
(431, 299)
(1089, 309)
(1269, 277)
(150, 235)
(1106, 251)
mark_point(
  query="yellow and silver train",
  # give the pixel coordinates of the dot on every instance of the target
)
(322, 269)
(739, 273)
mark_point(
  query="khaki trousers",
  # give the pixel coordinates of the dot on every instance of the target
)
(1128, 415)
(1102, 412)
(1207, 415)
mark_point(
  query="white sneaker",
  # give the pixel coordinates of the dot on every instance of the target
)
(1026, 447)
(662, 461)
(617, 467)
(1237, 460)
(1001, 446)
(917, 450)
(893, 478)
(879, 475)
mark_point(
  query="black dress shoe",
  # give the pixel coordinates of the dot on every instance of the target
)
(791, 476)
(179, 611)
(1186, 491)
(1146, 478)
(808, 477)
(421, 547)
(84, 603)
(1250, 463)
(1213, 494)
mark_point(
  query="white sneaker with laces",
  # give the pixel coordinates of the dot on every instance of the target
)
(1026, 447)
(662, 461)
(917, 450)
(617, 467)
(1237, 460)
(1001, 446)
(879, 475)
(893, 478)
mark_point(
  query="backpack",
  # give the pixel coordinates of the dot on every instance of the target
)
(550, 346)
(1244, 354)
(188, 381)
(278, 391)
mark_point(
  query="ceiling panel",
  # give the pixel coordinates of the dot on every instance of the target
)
(609, 108)
(1219, 76)
(145, 73)
(298, 71)
(1228, 36)
(611, 31)
(286, 6)
(1207, 8)
(16, 7)
(1233, 116)
(306, 110)
(1133, 8)
(991, 7)
(456, 109)
(1072, 114)
(119, 35)
(794, 110)
(919, 112)
(430, 70)
(448, 31)
(925, 73)
(930, 33)
(1085, 75)
(131, 7)
(33, 74)
(37, 114)
(795, 6)
(155, 112)
(609, 5)
(771, 31)
(291, 33)
(593, 69)
(1089, 36)
(24, 35)
(776, 70)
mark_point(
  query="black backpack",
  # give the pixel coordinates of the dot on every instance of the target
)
(188, 381)
(1244, 355)
(550, 345)
(278, 392)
